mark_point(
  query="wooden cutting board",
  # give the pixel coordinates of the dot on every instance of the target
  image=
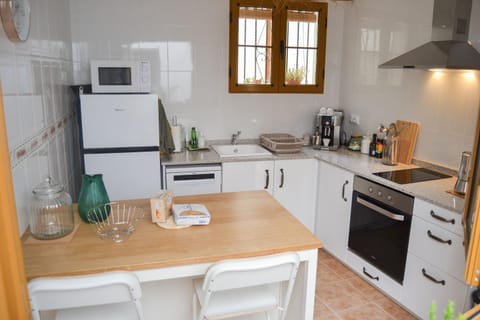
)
(407, 140)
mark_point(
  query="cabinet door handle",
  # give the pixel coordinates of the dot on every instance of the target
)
(436, 216)
(282, 178)
(267, 178)
(369, 275)
(429, 277)
(343, 191)
(436, 238)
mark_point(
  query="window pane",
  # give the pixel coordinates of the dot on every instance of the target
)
(254, 65)
(241, 31)
(302, 28)
(250, 32)
(302, 35)
(300, 66)
(254, 45)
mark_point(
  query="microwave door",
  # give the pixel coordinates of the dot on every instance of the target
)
(115, 76)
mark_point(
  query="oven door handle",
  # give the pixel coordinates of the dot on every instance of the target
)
(380, 210)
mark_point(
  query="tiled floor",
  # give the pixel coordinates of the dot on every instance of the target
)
(341, 294)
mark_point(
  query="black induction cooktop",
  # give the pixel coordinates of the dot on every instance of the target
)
(411, 175)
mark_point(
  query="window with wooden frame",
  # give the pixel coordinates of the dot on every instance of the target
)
(277, 46)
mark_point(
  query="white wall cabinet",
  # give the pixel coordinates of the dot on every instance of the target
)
(292, 182)
(333, 208)
(435, 261)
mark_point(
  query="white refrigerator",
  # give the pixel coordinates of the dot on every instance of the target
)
(120, 139)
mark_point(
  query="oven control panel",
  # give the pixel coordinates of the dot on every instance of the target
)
(384, 194)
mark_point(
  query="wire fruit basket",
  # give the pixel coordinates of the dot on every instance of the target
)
(114, 220)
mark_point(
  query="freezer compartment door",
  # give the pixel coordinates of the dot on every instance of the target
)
(131, 175)
(119, 120)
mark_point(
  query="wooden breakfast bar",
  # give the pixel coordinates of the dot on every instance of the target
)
(243, 224)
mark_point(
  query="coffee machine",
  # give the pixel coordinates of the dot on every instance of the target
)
(328, 127)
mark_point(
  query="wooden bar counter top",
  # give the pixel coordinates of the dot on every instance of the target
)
(243, 224)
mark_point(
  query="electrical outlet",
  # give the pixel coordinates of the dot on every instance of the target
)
(355, 118)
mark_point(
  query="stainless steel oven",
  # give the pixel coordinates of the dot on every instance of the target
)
(380, 222)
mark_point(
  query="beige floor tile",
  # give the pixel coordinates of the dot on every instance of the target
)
(366, 312)
(367, 290)
(342, 303)
(340, 269)
(335, 289)
(326, 275)
(322, 312)
(324, 255)
(342, 294)
(393, 309)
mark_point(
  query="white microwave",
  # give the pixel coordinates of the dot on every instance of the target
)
(120, 76)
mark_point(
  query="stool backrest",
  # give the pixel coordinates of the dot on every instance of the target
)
(249, 272)
(81, 291)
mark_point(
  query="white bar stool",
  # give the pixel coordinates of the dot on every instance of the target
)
(112, 295)
(244, 286)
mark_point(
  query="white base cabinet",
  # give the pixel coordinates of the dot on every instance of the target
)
(425, 283)
(296, 188)
(247, 176)
(435, 261)
(292, 182)
(335, 187)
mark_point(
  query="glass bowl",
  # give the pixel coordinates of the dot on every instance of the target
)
(115, 221)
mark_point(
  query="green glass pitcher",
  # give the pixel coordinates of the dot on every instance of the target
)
(92, 194)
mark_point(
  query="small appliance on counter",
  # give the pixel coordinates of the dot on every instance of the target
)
(120, 76)
(328, 126)
(463, 173)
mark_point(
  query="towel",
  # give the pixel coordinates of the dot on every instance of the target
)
(166, 141)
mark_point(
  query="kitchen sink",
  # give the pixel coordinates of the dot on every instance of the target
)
(240, 150)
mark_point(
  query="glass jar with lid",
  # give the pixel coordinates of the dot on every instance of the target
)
(51, 213)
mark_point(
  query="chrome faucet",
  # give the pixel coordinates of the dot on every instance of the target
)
(235, 137)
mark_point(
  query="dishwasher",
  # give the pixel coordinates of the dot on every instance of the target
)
(199, 179)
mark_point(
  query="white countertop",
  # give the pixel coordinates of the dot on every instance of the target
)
(360, 164)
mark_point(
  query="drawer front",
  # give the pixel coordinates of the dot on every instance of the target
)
(438, 246)
(420, 290)
(373, 275)
(444, 218)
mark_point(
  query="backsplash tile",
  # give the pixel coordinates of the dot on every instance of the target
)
(40, 118)
(188, 50)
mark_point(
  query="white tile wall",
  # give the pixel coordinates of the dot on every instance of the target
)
(187, 44)
(35, 76)
(189, 54)
(445, 105)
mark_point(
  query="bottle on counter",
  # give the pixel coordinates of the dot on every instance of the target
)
(373, 145)
(193, 138)
(379, 148)
(365, 146)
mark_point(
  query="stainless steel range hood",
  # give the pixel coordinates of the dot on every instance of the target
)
(449, 48)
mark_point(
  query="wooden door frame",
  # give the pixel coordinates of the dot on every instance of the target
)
(14, 303)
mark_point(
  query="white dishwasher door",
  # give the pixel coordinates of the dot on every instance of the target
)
(188, 180)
